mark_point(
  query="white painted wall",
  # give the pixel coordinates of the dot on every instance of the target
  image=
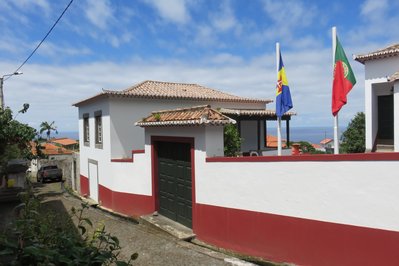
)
(360, 193)
(355, 193)
(381, 68)
(90, 152)
(396, 115)
(214, 143)
(121, 136)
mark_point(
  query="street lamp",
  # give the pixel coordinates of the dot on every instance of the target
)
(1, 86)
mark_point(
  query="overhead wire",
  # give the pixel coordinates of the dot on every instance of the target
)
(45, 37)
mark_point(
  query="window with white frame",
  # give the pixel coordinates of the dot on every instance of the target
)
(86, 130)
(99, 129)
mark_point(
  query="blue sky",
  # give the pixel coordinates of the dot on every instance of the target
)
(228, 45)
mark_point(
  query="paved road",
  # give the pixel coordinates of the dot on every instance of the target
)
(153, 246)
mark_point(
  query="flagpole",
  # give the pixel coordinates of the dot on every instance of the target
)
(334, 45)
(278, 118)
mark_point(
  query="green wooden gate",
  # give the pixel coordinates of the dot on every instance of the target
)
(175, 185)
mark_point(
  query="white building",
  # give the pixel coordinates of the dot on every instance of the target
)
(381, 98)
(108, 136)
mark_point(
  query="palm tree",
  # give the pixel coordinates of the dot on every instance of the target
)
(45, 126)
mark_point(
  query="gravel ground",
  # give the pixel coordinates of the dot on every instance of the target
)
(154, 247)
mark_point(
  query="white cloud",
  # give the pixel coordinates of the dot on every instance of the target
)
(99, 13)
(28, 5)
(56, 50)
(224, 19)
(374, 8)
(175, 11)
(290, 13)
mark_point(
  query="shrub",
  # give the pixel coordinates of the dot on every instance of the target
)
(42, 237)
(232, 140)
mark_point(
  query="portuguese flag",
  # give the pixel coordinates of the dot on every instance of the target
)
(344, 79)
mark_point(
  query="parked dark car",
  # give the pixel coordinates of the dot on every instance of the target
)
(49, 172)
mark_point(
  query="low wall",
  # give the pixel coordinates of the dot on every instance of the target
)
(311, 210)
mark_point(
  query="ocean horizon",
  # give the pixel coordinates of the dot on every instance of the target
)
(309, 134)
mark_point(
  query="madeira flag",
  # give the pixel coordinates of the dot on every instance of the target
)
(344, 79)
(283, 95)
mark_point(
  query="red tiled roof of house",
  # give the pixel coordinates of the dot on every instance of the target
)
(64, 141)
(199, 115)
(171, 90)
(392, 50)
(50, 149)
(316, 146)
(271, 142)
(325, 141)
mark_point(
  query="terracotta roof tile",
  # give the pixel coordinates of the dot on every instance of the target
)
(272, 142)
(316, 146)
(50, 149)
(389, 51)
(171, 90)
(199, 115)
(64, 141)
(325, 141)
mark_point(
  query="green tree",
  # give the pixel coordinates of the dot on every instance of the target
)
(15, 138)
(353, 139)
(232, 140)
(48, 127)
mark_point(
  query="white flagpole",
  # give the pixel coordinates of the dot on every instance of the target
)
(334, 45)
(278, 118)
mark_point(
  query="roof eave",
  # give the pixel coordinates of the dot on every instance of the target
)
(91, 99)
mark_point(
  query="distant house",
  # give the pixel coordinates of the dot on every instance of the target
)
(327, 143)
(271, 142)
(381, 98)
(52, 152)
(318, 147)
(69, 144)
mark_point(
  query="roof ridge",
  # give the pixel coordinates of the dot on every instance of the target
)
(173, 90)
(181, 109)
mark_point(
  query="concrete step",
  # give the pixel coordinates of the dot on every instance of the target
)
(162, 223)
(384, 148)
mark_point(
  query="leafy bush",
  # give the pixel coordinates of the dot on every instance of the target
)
(232, 140)
(354, 137)
(41, 237)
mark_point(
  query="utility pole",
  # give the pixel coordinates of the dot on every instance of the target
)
(1, 87)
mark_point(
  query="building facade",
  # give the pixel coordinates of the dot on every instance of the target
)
(381, 98)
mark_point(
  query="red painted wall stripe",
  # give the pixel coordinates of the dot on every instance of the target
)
(300, 241)
(391, 156)
(126, 203)
(127, 160)
(84, 185)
